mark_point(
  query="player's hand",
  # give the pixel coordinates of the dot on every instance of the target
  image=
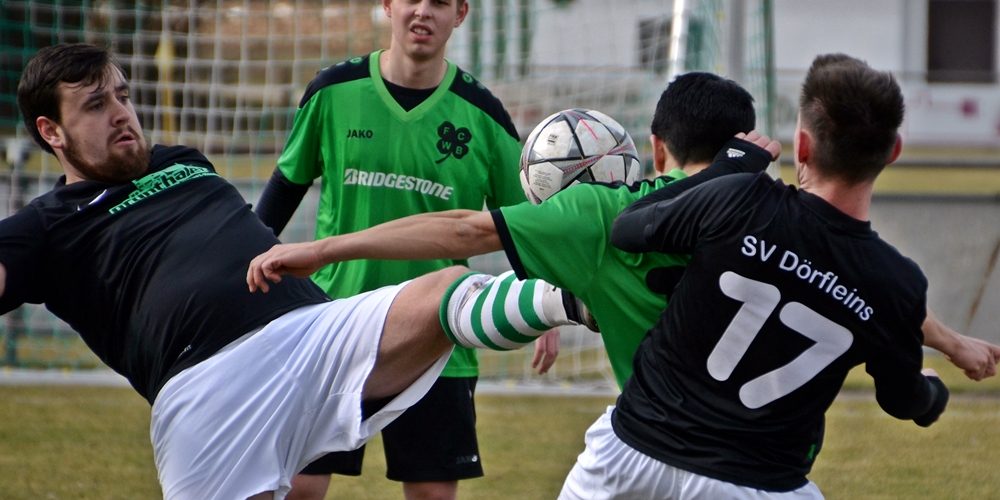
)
(976, 358)
(296, 259)
(546, 351)
(764, 142)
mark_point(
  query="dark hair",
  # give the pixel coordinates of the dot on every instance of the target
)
(853, 113)
(698, 113)
(37, 92)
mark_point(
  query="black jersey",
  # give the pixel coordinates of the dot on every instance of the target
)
(783, 296)
(151, 273)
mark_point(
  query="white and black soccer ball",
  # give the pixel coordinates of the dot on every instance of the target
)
(573, 146)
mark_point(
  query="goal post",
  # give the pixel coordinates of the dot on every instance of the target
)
(226, 76)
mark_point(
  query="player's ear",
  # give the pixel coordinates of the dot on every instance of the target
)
(803, 146)
(50, 131)
(387, 7)
(463, 10)
(896, 149)
(659, 154)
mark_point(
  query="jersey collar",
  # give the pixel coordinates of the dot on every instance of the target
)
(393, 106)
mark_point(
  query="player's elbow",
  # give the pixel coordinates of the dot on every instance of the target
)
(924, 410)
(626, 233)
(474, 233)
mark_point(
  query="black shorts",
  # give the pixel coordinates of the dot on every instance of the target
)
(433, 440)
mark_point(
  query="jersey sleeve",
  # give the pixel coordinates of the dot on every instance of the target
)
(736, 156)
(301, 160)
(21, 252)
(675, 225)
(278, 201)
(895, 365)
(561, 241)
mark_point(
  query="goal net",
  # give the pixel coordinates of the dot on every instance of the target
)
(225, 76)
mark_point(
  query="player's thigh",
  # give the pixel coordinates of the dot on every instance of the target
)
(435, 439)
(412, 338)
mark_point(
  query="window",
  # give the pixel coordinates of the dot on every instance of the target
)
(961, 41)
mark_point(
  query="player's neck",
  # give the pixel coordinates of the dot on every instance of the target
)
(854, 200)
(410, 73)
(693, 168)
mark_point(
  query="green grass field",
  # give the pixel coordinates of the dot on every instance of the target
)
(92, 443)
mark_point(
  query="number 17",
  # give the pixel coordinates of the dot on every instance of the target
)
(759, 302)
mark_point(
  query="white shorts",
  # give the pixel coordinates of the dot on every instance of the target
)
(608, 468)
(250, 417)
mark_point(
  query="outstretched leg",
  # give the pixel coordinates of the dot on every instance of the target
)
(503, 313)
(453, 306)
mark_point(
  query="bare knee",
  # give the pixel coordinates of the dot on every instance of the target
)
(444, 490)
(445, 277)
(309, 487)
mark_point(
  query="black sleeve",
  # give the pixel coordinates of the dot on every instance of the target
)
(736, 156)
(21, 252)
(279, 200)
(939, 400)
(636, 224)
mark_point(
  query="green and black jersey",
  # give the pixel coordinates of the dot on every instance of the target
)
(378, 162)
(566, 241)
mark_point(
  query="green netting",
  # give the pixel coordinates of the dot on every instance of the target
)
(225, 76)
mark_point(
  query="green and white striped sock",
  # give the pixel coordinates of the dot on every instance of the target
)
(500, 313)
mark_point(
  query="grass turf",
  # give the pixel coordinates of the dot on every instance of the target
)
(92, 443)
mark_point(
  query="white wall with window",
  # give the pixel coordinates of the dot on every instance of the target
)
(946, 53)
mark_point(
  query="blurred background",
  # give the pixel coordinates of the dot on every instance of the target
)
(225, 76)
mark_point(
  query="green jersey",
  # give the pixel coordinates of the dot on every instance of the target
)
(378, 162)
(566, 241)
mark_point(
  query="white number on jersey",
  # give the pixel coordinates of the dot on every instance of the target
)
(759, 302)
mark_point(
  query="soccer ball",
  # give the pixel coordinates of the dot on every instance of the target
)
(573, 146)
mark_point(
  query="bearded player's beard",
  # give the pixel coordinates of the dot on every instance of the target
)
(120, 165)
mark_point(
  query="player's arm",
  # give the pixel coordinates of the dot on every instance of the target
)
(452, 234)
(677, 224)
(300, 162)
(894, 363)
(921, 397)
(976, 358)
(746, 153)
(279, 200)
(21, 259)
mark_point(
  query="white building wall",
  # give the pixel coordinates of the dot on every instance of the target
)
(889, 34)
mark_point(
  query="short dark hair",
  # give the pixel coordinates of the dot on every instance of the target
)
(698, 113)
(853, 113)
(75, 63)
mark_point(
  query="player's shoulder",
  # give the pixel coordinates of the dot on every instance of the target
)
(470, 89)
(645, 186)
(164, 156)
(348, 70)
(753, 187)
(900, 269)
(589, 199)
